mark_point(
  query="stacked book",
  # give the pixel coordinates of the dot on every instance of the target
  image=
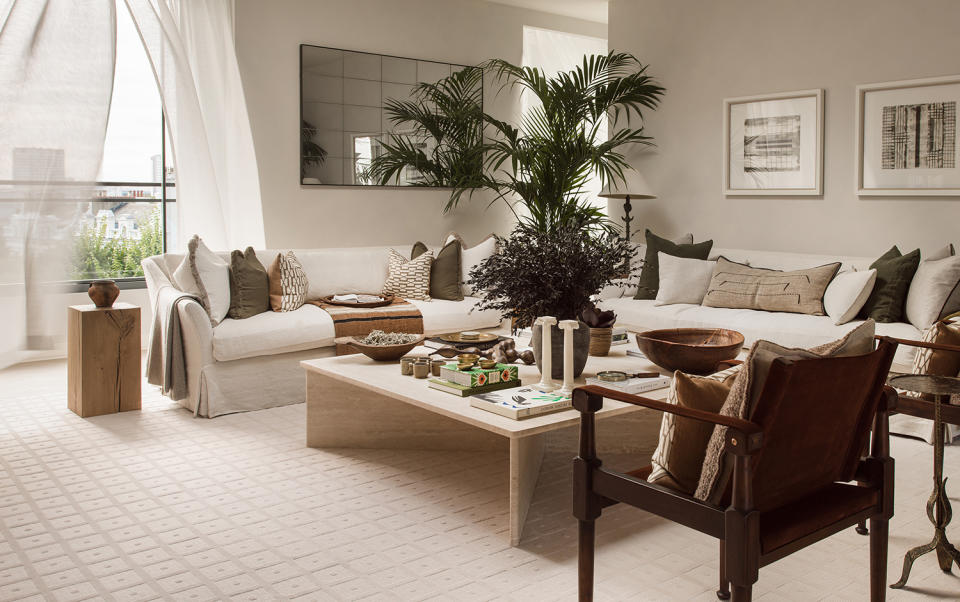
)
(634, 385)
(475, 380)
(524, 402)
(619, 336)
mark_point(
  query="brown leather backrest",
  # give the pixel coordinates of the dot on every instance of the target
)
(816, 416)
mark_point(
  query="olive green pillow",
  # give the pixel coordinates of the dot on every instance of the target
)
(249, 285)
(649, 282)
(444, 271)
(894, 274)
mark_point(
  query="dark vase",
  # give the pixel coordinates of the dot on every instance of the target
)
(581, 348)
(103, 292)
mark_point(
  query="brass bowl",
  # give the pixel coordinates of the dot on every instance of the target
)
(468, 357)
(464, 366)
(690, 350)
(488, 364)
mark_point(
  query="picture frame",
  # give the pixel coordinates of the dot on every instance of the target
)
(773, 144)
(906, 138)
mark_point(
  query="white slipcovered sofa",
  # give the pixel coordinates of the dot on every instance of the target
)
(251, 364)
(788, 329)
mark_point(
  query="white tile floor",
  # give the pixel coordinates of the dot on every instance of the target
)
(156, 504)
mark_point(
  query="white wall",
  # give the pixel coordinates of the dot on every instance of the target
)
(268, 35)
(703, 52)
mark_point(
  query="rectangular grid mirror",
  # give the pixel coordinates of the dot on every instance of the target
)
(346, 125)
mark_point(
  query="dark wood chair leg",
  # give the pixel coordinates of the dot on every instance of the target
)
(585, 567)
(742, 593)
(723, 593)
(862, 528)
(878, 559)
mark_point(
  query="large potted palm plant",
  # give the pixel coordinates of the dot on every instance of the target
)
(562, 251)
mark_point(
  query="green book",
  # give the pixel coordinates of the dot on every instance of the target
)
(463, 391)
(479, 377)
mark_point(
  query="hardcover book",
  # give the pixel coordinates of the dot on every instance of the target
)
(633, 386)
(463, 391)
(478, 377)
(520, 403)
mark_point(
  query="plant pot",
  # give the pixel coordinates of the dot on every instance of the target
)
(600, 339)
(581, 348)
(103, 292)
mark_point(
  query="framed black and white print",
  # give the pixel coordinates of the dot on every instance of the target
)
(907, 138)
(773, 144)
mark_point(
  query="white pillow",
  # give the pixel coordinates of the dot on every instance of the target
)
(846, 294)
(683, 280)
(469, 258)
(204, 274)
(930, 289)
(612, 291)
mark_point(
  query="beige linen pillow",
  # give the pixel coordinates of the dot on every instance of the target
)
(739, 286)
(747, 388)
(471, 257)
(408, 279)
(205, 275)
(679, 456)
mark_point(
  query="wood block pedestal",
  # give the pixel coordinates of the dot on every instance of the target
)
(103, 359)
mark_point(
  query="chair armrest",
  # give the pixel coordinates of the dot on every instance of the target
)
(751, 433)
(923, 344)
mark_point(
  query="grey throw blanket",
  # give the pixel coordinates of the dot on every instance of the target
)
(166, 361)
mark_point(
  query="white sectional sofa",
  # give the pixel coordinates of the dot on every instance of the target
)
(251, 364)
(791, 330)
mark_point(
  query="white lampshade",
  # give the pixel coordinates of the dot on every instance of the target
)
(634, 186)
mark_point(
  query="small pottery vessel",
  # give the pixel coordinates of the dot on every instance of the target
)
(600, 340)
(406, 366)
(103, 292)
(421, 369)
(435, 366)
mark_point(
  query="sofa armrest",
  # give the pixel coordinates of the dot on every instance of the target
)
(197, 335)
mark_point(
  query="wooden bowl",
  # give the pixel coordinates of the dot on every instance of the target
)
(690, 350)
(382, 353)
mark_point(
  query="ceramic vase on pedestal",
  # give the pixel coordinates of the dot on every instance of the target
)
(581, 348)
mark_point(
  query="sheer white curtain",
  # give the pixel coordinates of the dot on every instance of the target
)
(56, 79)
(553, 52)
(191, 48)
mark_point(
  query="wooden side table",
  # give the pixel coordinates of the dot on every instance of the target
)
(103, 359)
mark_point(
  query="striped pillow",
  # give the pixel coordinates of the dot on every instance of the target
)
(408, 279)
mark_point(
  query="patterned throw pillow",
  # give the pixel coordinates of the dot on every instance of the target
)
(408, 279)
(288, 283)
(941, 363)
(738, 286)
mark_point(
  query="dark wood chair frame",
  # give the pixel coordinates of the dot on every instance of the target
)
(737, 526)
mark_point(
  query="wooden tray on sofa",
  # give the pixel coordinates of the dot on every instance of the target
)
(387, 300)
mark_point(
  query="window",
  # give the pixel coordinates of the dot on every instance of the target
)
(131, 214)
(554, 52)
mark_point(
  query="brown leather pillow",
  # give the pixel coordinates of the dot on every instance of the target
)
(679, 456)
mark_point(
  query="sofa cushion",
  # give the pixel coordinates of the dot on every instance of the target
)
(649, 282)
(736, 285)
(452, 316)
(348, 270)
(444, 271)
(249, 285)
(894, 274)
(789, 330)
(271, 333)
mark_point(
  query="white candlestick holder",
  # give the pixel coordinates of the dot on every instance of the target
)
(546, 354)
(567, 326)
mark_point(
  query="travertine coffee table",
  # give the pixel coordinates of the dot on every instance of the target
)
(354, 402)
